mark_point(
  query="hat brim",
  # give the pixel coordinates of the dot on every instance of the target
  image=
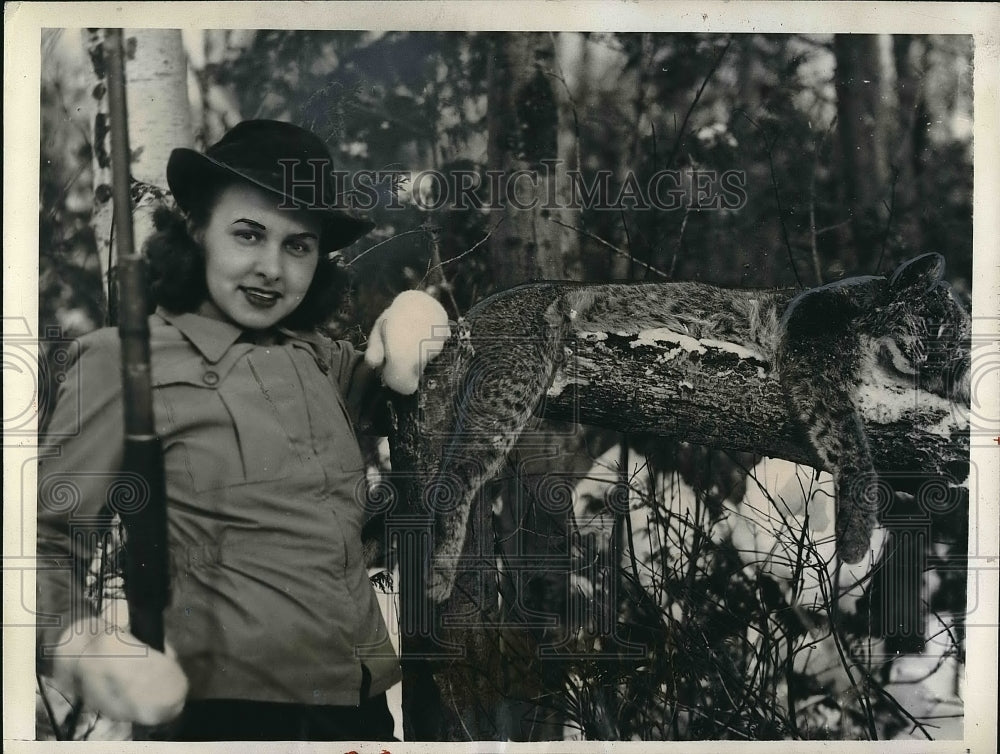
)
(192, 175)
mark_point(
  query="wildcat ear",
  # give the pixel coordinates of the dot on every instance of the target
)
(920, 273)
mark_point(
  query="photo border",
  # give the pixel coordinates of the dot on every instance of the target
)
(22, 66)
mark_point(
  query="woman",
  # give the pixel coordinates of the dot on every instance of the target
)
(273, 630)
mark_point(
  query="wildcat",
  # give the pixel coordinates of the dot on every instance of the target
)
(818, 343)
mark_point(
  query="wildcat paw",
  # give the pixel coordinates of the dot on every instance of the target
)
(859, 497)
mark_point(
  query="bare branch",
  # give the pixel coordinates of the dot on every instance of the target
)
(615, 249)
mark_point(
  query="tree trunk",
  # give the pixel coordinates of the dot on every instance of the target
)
(452, 670)
(523, 122)
(908, 53)
(864, 159)
(219, 107)
(524, 135)
(573, 94)
(159, 120)
(451, 665)
(449, 698)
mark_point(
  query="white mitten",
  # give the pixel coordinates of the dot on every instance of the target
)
(118, 676)
(406, 336)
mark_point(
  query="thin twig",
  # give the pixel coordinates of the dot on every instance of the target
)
(434, 234)
(382, 243)
(458, 712)
(817, 268)
(465, 253)
(615, 249)
(835, 226)
(814, 234)
(899, 707)
(888, 221)
(640, 96)
(69, 724)
(56, 728)
(64, 191)
(628, 242)
(827, 590)
(956, 644)
(680, 242)
(623, 479)
(768, 147)
(694, 103)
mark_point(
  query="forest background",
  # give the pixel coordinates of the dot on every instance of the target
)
(855, 153)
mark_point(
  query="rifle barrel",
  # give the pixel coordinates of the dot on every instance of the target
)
(145, 516)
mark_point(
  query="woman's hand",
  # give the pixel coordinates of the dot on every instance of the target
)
(406, 336)
(119, 676)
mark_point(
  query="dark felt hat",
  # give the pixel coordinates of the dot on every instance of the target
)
(276, 156)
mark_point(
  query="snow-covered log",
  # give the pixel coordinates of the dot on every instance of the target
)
(725, 396)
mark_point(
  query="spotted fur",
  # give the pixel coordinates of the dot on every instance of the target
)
(816, 341)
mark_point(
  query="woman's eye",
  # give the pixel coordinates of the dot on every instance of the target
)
(247, 235)
(298, 248)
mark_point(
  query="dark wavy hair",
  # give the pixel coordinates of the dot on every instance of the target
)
(177, 271)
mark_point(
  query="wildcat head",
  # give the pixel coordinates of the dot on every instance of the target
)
(925, 331)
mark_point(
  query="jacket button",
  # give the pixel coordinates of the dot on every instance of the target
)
(210, 378)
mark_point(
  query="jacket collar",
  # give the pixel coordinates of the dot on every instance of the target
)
(213, 338)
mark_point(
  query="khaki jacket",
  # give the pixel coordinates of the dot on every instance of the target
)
(270, 597)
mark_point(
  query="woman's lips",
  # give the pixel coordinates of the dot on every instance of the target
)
(261, 298)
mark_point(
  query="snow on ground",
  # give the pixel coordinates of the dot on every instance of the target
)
(784, 501)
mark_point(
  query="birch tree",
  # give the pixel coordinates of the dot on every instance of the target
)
(159, 120)
(211, 55)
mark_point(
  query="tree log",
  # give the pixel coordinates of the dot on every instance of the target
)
(719, 395)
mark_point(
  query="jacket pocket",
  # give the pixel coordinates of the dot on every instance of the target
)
(222, 437)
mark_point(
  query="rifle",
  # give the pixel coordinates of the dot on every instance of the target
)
(147, 581)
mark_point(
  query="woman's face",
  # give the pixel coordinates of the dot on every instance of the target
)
(259, 260)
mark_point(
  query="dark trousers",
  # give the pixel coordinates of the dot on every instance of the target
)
(242, 720)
